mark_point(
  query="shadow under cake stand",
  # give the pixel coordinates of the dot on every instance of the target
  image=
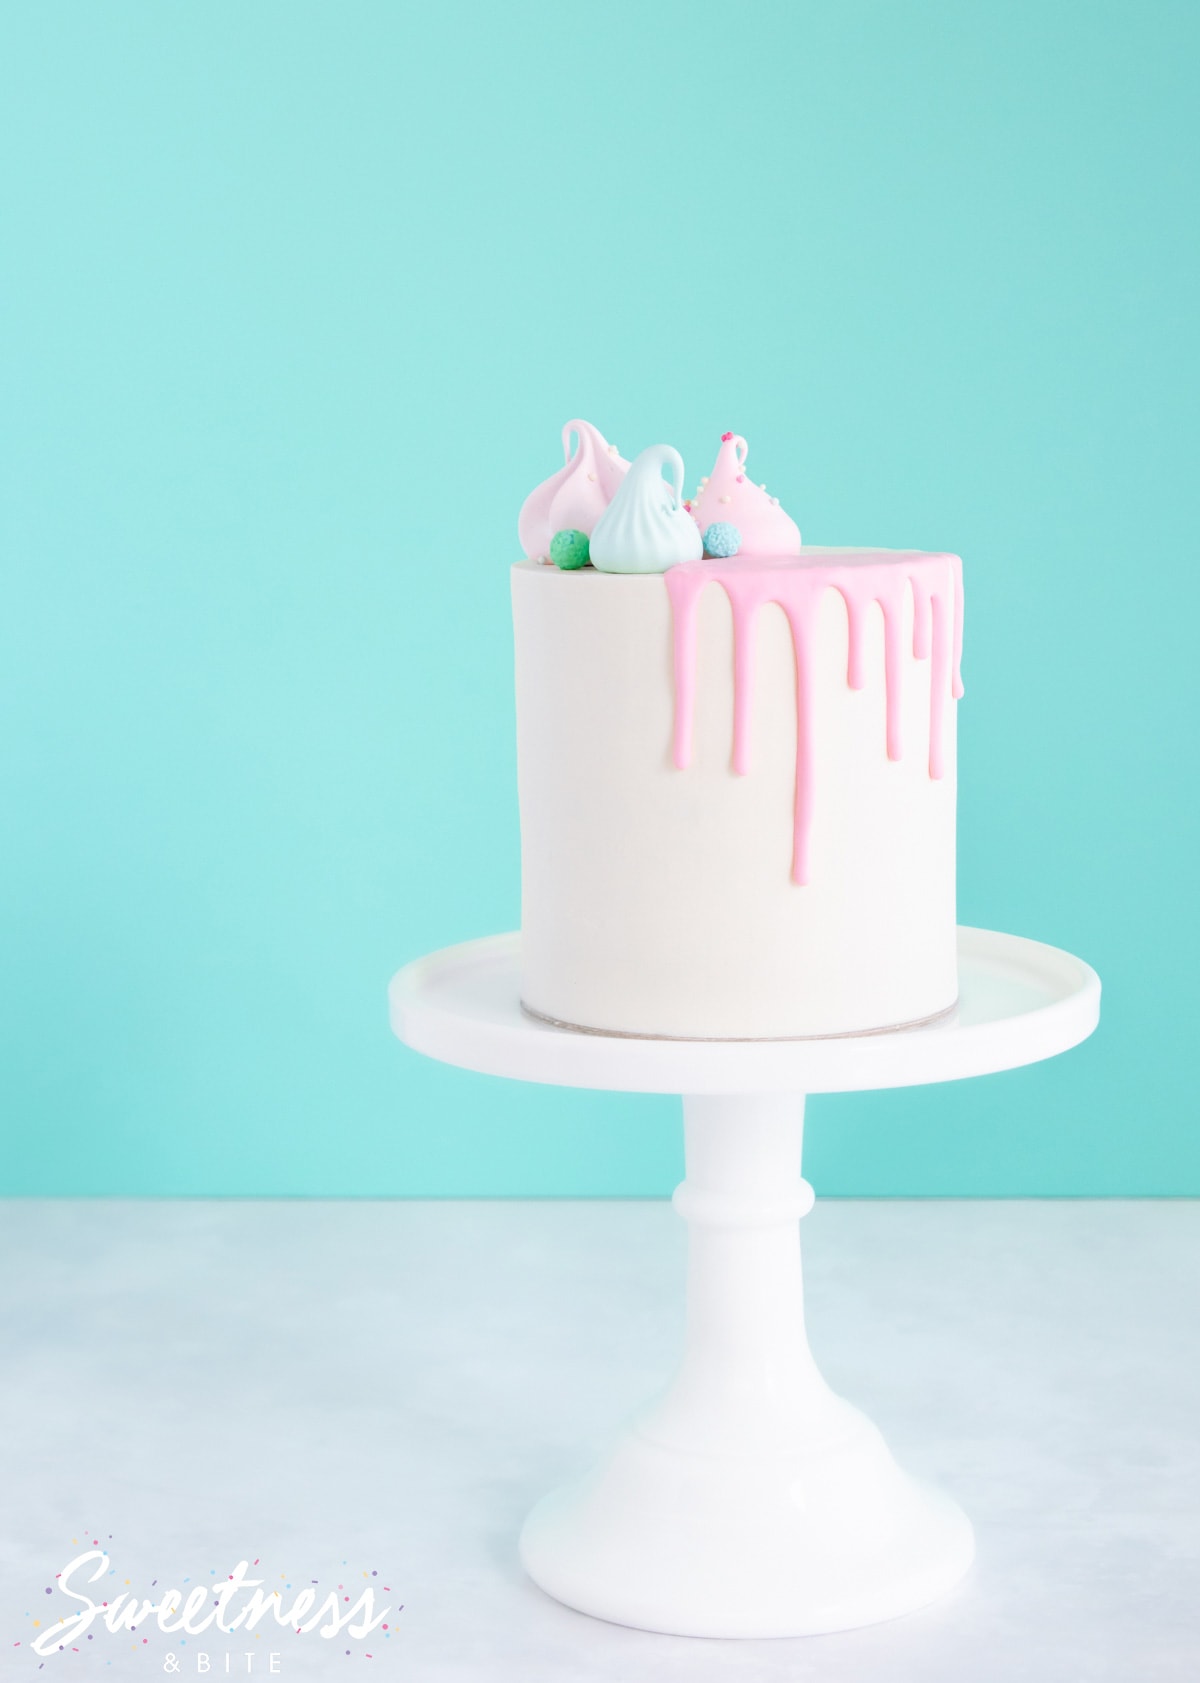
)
(749, 1500)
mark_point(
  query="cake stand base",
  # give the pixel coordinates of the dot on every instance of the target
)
(827, 1538)
(750, 1500)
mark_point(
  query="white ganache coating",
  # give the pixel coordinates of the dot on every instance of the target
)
(645, 528)
(661, 901)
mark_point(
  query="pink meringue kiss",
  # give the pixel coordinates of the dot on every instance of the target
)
(728, 496)
(575, 497)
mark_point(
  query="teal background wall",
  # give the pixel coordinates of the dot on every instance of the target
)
(295, 300)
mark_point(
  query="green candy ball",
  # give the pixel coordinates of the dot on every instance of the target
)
(570, 550)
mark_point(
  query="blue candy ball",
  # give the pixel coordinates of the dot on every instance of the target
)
(721, 539)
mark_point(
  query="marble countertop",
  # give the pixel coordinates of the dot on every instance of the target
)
(373, 1394)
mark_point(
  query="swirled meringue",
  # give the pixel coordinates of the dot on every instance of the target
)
(646, 529)
(575, 497)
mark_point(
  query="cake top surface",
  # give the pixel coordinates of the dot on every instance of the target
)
(810, 558)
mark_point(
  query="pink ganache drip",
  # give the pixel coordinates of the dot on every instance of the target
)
(798, 585)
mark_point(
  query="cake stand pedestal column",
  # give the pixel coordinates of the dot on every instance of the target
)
(749, 1500)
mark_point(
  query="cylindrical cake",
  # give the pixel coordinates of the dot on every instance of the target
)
(737, 793)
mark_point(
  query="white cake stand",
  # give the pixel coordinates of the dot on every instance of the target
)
(749, 1500)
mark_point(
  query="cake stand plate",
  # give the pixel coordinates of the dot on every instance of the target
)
(749, 1500)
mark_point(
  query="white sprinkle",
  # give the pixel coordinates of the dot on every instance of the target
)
(591, 476)
(775, 502)
(723, 499)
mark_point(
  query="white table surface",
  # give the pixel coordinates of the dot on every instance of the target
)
(340, 1387)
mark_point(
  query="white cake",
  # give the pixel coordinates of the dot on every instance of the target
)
(737, 787)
